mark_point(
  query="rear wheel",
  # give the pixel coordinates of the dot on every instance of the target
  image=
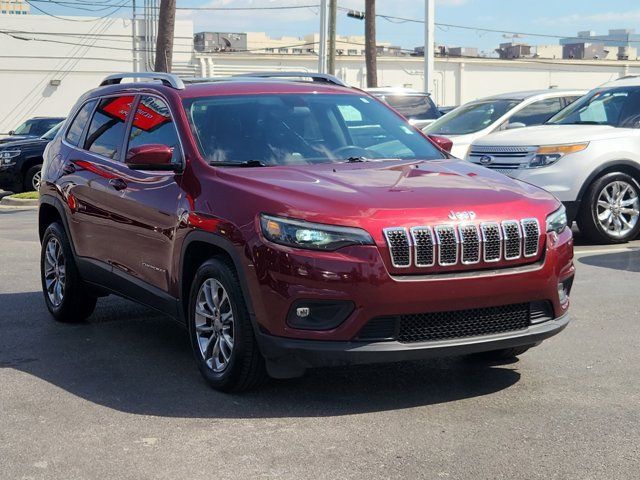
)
(64, 292)
(610, 212)
(221, 332)
(33, 178)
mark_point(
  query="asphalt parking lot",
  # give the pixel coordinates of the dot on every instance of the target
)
(119, 397)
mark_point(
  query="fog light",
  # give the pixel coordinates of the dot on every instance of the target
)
(564, 290)
(319, 314)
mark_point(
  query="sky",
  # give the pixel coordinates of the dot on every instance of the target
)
(546, 17)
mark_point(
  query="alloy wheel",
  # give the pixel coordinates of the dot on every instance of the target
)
(618, 208)
(36, 179)
(214, 324)
(54, 271)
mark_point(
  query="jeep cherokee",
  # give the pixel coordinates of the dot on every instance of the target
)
(293, 223)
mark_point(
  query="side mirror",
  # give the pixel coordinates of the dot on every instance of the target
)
(153, 156)
(513, 125)
(12, 132)
(443, 142)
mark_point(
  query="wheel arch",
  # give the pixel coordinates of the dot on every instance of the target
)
(199, 247)
(623, 166)
(30, 162)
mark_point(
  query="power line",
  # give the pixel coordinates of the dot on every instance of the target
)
(67, 3)
(96, 19)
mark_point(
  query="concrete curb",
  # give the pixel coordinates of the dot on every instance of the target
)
(18, 202)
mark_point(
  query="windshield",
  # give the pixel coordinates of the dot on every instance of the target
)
(470, 118)
(617, 107)
(299, 129)
(52, 133)
(417, 107)
(25, 128)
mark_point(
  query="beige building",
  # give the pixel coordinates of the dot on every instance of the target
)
(260, 42)
(14, 7)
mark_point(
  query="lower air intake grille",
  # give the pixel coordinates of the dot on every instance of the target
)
(463, 323)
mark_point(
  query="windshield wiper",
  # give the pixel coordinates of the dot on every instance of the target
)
(587, 122)
(247, 163)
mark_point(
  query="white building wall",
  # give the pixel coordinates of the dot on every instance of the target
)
(457, 80)
(78, 54)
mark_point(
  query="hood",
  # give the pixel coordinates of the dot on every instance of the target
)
(551, 135)
(15, 138)
(393, 193)
(23, 142)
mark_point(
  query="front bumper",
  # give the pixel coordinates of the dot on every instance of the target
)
(295, 354)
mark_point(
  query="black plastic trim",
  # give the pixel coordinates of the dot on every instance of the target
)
(303, 354)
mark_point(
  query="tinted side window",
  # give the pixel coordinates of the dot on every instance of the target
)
(538, 112)
(106, 132)
(153, 124)
(77, 126)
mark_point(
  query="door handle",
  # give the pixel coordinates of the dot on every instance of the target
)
(118, 183)
(68, 169)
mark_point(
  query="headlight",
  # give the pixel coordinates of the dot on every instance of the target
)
(314, 236)
(547, 155)
(557, 221)
(7, 155)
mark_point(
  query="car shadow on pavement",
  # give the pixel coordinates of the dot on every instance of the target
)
(133, 360)
(627, 261)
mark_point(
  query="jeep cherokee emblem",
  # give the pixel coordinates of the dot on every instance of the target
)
(486, 159)
(462, 215)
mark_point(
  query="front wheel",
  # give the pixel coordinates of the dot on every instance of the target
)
(610, 211)
(221, 332)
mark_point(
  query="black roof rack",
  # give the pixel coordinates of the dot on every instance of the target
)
(167, 79)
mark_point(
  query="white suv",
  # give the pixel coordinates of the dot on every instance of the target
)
(479, 118)
(588, 155)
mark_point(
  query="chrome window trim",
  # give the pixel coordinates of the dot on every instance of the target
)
(415, 245)
(437, 230)
(462, 242)
(386, 232)
(483, 230)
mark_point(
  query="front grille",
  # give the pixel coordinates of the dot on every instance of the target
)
(399, 247)
(423, 327)
(463, 244)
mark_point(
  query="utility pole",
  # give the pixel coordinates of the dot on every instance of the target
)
(166, 27)
(371, 49)
(429, 41)
(333, 14)
(324, 30)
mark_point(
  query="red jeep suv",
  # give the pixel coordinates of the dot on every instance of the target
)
(292, 223)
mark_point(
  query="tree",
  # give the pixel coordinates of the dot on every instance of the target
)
(166, 28)
(371, 49)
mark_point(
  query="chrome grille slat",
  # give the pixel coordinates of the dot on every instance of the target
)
(399, 246)
(492, 240)
(531, 236)
(512, 239)
(447, 240)
(465, 243)
(470, 241)
(424, 246)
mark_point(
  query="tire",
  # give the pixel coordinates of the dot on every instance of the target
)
(70, 303)
(504, 354)
(217, 316)
(600, 194)
(29, 182)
